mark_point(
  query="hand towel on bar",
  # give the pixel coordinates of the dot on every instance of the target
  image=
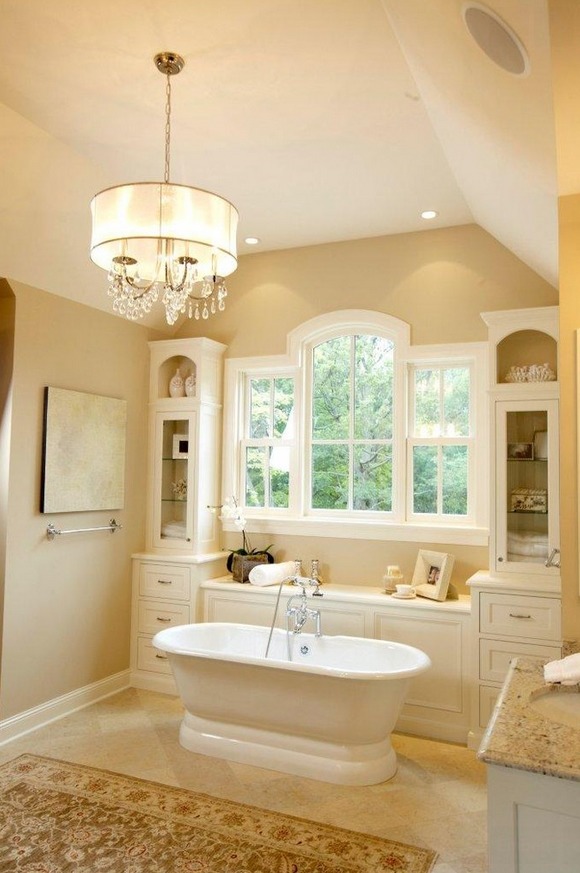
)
(271, 574)
(566, 671)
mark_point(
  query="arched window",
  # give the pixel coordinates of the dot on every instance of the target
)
(357, 427)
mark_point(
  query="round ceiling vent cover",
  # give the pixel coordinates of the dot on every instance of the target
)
(496, 39)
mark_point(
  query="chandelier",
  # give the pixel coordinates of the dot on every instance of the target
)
(161, 240)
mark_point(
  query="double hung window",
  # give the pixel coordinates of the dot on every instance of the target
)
(269, 441)
(440, 445)
(357, 427)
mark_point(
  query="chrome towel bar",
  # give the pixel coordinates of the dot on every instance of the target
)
(52, 531)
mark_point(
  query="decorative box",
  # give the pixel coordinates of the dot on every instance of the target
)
(529, 500)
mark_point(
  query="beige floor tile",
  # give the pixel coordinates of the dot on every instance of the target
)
(454, 837)
(437, 798)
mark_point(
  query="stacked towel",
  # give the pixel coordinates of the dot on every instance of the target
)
(271, 574)
(173, 530)
(566, 671)
(532, 546)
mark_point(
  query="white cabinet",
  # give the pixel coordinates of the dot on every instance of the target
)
(184, 448)
(182, 543)
(161, 598)
(524, 523)
(437, 705)
(533, 822)
(526, 529)
(516, 604)
(509, 619)
(438, 700)
(165, 593)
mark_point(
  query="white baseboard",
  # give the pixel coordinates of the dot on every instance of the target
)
(32, 719)
(432, 730)
(152, 682)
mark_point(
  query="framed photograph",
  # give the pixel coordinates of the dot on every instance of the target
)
(520, 451)
(180, 446)
(432, 574)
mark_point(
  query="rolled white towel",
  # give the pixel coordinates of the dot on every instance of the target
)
(566, 671)
(271, 574)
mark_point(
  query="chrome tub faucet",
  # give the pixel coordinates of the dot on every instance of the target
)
(297, 610)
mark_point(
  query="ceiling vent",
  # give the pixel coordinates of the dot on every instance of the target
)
(496, 39)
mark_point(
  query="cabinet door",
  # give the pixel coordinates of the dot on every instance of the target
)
(443, 639)
(526, 462)
(173, 480)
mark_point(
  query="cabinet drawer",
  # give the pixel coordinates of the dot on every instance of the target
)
(495, 656)
(520, 615)
(169, 581)
(154, 615)
(488, 695)
(149, 658)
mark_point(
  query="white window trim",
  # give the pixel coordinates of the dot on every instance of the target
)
(293, 520)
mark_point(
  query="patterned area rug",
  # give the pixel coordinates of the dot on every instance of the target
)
(57, 817)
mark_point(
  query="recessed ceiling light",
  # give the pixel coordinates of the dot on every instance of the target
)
(494, 37)
(252, 240)
(429, 214)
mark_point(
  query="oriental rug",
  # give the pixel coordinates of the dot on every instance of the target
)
(57, 817)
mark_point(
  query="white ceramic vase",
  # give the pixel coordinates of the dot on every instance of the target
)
(190, 385)
(176, 385)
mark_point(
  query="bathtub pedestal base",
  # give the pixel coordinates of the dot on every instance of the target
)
(299, 756)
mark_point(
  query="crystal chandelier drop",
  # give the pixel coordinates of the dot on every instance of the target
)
(158, 240)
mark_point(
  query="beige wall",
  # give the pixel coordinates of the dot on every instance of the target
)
(7, 306)
(569, 323)
(565, 39)
(362, 562)
(67, 602)
(438, 280)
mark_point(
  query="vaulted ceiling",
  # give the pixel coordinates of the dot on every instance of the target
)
(321, 120)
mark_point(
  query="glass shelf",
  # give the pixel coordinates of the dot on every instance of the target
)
(527, 460)
(526, 512)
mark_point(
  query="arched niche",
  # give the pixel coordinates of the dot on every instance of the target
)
(523, 348)
(167, 370)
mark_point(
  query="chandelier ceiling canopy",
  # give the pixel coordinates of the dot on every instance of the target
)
(163, 240)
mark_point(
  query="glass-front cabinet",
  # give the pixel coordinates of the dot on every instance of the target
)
(527, 529)
(184, 446)
(174, 521)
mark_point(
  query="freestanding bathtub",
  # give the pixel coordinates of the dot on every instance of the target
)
(327, 713)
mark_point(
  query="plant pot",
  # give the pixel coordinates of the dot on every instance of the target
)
(242, 564)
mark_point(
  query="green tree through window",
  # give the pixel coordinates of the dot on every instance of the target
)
(352, 424)
(440, 444)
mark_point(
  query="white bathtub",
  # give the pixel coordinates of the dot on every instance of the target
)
(327, 714)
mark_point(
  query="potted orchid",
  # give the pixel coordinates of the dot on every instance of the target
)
(240, 561)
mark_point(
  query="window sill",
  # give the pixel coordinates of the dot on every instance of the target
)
(410, 532)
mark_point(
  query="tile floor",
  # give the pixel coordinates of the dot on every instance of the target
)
(437, 798)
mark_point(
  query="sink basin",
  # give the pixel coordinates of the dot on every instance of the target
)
(561, 706)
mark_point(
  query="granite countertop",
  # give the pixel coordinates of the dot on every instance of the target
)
(518, 736)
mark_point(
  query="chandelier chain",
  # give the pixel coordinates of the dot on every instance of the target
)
(167, 125)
